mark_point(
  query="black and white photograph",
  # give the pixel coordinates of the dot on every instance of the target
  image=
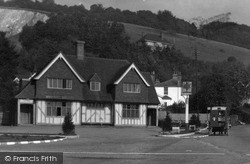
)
(124, 81)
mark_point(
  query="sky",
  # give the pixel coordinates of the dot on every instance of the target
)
(184, 9)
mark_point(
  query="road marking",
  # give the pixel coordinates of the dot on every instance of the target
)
(113, 153)
(10, 143)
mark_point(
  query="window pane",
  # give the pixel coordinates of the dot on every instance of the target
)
(68, 110)
(63, 111)
(68, 84)
(49, 103)
(91, 86)
(132, 113)
(58, 111)
(49, 111)
(54, 83)
(137, 113)
(124, 88)
(60, 83)
(132, 88)
(58, 104)
(138, 88)
(49, 81)
(54, 111)
(95, 86)
(98, 86)
(64, 83)
(124, 113)
(68, 104)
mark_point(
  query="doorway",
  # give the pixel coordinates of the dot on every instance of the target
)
(26, 112)
(151, 117)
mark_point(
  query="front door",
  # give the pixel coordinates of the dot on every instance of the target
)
(26, 112)
(151, 117)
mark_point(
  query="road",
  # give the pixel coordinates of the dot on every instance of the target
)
(141, 145)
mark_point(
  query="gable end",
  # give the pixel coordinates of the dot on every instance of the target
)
(59, 56)
(132, 66)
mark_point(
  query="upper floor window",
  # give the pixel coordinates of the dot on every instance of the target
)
(165, 90)
(131, 88)
(95, 86)
(59, 83)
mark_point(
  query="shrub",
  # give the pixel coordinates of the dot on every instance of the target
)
(194, 120)
(167, 124)
(177, 107)
(68, 126)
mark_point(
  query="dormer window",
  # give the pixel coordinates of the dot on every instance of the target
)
(95, 86)
(95, 83)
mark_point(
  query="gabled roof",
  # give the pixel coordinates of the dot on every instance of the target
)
(107, 70)
(132, 66)
(27, 92)
(96, 78)
(59, 56)
(152, 95)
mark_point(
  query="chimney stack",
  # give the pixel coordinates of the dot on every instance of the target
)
(153, 76)
(80, 50)
(177, 77)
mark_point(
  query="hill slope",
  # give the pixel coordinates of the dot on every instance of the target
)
(208, 50)
(12, 20)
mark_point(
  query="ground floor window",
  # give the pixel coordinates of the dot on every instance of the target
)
(130, 111)
(96, 105)
(58, 108)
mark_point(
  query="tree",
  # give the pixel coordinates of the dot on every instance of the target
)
(68, 126)
(195, 120)
(7, 69)
(8, 66)
(48, 2)
(177, 107)
(167, 124)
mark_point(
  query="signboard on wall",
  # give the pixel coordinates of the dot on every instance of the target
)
(186, 88)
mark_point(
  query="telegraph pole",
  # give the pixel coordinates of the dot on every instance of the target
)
(196, 79)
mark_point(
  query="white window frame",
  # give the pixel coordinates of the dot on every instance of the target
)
(131, 88)
(52, 106)
(56, 83)
(131, 111)
(95, 86)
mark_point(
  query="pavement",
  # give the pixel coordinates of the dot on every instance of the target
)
(138, 145)
(32, 129)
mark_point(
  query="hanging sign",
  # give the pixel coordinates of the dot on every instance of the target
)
(186, 88)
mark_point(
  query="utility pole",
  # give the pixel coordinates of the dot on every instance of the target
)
(196, 80)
